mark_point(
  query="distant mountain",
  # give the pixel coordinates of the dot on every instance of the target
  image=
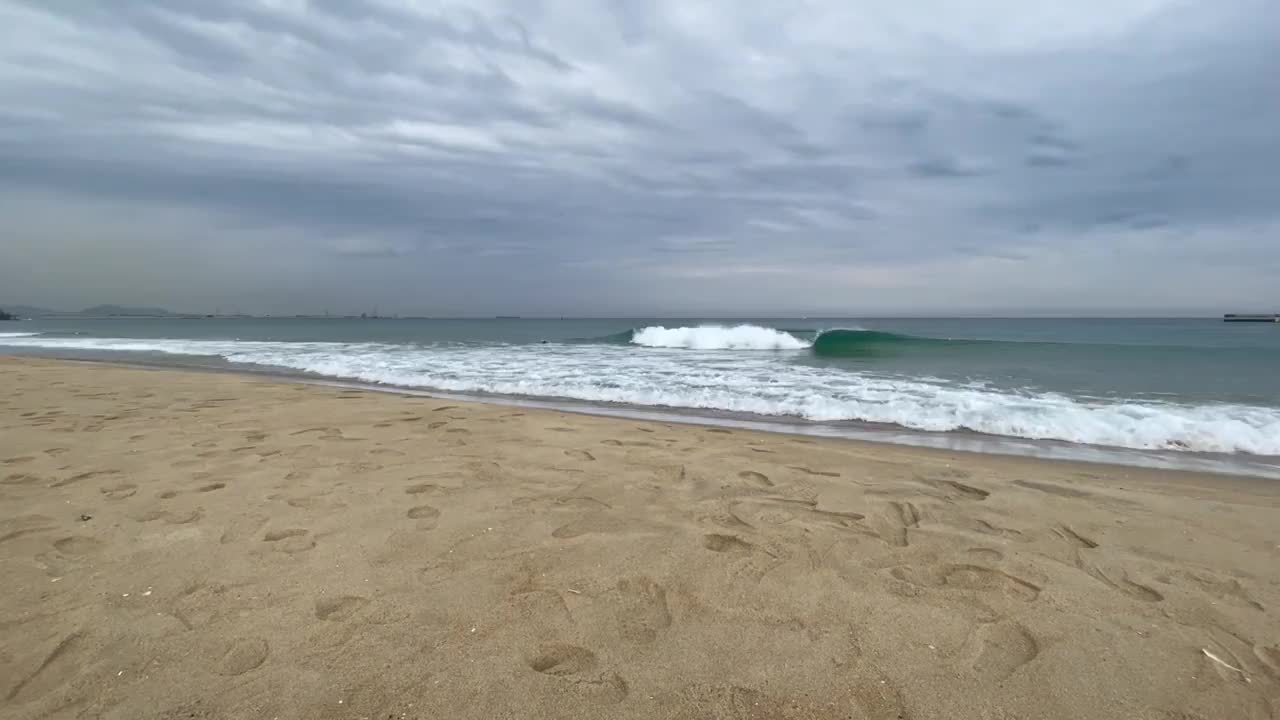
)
(26, 311)
(97, 311)
(6, 316)
(124, 311)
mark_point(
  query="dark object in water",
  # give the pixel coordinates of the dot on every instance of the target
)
(1233, 317)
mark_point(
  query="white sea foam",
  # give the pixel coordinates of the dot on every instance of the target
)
(762, 383)
(17, 334)
(718, 337)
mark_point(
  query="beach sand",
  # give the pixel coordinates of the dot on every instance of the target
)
(207, 545)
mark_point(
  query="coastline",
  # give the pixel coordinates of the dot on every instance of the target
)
(222, 545)
(965, 441)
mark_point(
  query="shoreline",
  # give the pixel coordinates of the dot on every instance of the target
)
(184, 544)
(965, 441)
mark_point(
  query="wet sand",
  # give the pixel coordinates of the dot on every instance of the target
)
(199, 545)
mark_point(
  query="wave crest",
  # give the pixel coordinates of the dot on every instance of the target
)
(718, 337)
(849, 342)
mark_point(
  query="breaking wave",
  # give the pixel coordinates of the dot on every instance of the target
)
(718, 337)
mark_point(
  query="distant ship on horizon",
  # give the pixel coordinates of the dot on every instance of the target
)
(1252, 317)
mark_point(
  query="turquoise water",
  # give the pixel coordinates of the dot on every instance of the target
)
(1180, 385)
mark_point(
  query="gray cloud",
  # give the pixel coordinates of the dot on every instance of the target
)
(630, 158)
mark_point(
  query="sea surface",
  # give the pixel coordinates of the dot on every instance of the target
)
(1173, 392)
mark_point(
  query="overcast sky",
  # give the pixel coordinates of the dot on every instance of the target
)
(620, 157)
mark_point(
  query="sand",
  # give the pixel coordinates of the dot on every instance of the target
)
(206, 545)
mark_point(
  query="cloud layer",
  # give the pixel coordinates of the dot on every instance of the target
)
(560, 157)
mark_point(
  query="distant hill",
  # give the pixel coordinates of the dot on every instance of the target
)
(124, 311)
(6, 316)
(26, 311)
(98, 311)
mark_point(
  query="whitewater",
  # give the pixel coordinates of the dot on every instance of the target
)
(744, 369)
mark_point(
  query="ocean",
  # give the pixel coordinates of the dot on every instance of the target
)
(1194, 393)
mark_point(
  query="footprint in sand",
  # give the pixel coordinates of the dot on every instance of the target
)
(985, 528)
(580, 455)
(77, 545)
(1119, 579)
(562, 660)
(339, 607)
(757, 479)
(1002, 649)
(726, 543)
(170, 518)
(241, 656)
(1270, 657)
(578, 666)
(211, 487)
(24, 525)
(596, 522)
(291, 540)
(895, 521)
(746, 514)
(985, 554)
(1229, 589)
(307, 502)
(976, 577)
(21, 479)
(642, 610)
(968, 577)
(242, 528)
(1114, 577)
(426, 515)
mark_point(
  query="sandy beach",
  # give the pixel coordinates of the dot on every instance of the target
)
(207, 545)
